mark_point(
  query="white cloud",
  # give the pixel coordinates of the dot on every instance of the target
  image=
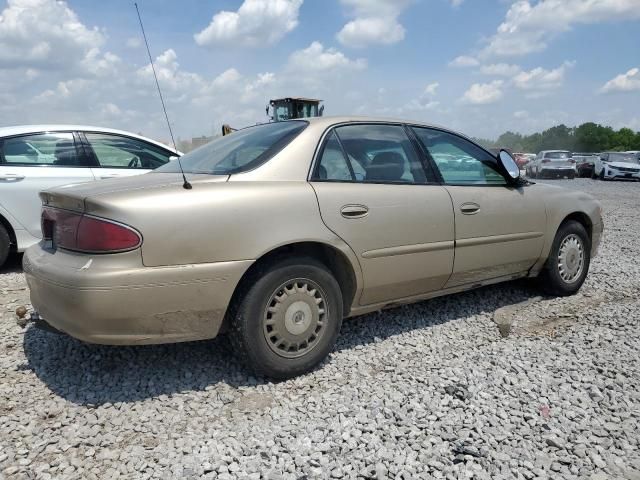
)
(521, 114)
(256, 23)
(99, 64)
(500, 70)
(540, 79)
(133, 42)
(227, 78)
(528, 28)
(366, 31)
(315, 58)
(376, 22)
(483, 93)
(431, 88)
(45, 35)
(169, 74)
(464, 61)
(625, 82)
(425, 101)
(456, 3)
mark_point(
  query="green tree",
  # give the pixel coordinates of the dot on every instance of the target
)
(624, 139)
(510, 140)
(591, 137)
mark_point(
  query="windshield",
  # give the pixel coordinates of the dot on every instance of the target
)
(557, 155)
(623, 157)
(239, 151)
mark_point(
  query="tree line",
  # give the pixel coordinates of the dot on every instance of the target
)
(588, 137)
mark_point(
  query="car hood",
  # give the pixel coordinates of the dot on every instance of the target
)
(624, 165)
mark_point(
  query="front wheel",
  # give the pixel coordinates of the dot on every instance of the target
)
(287, 319)
(602, 174)
(568, 262)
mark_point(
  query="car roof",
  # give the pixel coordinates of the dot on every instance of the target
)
(27, 129)
(330, 121)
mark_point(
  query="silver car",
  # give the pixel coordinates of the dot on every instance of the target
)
(552, 164)
(289, 227)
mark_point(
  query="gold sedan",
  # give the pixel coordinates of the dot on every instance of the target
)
(289, 227)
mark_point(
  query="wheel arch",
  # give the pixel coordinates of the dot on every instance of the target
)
(582, 218)
(9, 228)
(334, 259)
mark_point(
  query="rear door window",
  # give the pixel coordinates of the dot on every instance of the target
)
(50, 149)
(117, 151)
(371, 153)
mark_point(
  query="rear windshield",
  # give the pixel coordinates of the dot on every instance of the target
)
(239, 151)
(558, 155)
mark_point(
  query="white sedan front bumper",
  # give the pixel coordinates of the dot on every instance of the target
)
(622, 172)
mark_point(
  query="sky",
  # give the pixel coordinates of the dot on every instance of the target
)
(481, 67)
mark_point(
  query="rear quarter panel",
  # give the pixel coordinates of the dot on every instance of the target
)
(216, 222)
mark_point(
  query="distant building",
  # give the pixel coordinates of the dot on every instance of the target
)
(199, 141)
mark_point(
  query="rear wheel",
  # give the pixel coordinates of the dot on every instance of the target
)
(5, 244)
(572, 175)
(568, 262)
(288, 318)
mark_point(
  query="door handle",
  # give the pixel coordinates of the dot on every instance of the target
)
(11, 177)
(354, 211)
(469, 208)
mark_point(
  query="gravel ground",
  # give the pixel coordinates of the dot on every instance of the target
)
(433, 390)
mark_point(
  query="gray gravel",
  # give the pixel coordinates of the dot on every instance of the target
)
(433, 390)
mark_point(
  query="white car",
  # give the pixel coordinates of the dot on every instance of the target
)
(38, 157)
(552, 164)
(611, 165)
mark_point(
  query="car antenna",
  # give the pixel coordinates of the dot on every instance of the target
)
(186, 183)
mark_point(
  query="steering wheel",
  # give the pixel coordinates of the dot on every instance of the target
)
(134, 162)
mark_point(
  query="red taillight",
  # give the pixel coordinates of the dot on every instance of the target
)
(80, 232)
(546, 161)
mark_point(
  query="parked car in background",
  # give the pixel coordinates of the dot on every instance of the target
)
(585, 163)
(610, 165)
(291, 226)
(523, 158)
(37, 157)
(552, 164)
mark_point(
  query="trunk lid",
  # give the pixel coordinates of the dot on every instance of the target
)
(73, 196)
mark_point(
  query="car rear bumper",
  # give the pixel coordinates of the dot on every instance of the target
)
(108, 300)
(557, 170)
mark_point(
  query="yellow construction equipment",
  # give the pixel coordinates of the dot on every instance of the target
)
(287, 108)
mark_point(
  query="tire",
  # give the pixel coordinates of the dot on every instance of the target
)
(572, 175)
(5, 245)
(601, 176)
(593, 174)
(279, 306)
(572, 249)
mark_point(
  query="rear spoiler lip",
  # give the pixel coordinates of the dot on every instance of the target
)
(63, 201)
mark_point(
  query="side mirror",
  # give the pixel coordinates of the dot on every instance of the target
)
(509, 164)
